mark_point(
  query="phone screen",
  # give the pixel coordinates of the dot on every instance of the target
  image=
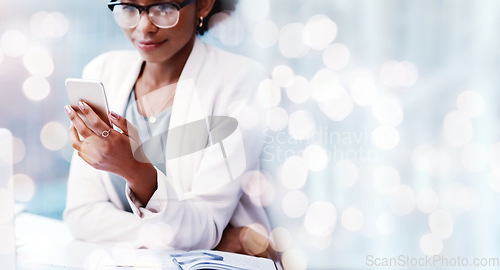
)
(91, 92)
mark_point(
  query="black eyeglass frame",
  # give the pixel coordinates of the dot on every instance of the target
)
(177, 5)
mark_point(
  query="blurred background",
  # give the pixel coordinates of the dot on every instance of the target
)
(383, 123)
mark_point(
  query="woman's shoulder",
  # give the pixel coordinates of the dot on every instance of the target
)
(234, 61)
(234, 71)
(110, 61)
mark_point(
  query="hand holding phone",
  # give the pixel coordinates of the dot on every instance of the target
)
(91, 92)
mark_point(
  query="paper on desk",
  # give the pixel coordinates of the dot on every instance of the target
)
(196, 259)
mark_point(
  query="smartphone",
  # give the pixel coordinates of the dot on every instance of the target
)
(91, 92)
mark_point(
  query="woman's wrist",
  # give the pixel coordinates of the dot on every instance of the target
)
(142, 181)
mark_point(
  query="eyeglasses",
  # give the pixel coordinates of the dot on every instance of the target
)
(163, 15)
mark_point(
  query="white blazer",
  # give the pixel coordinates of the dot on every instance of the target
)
(202, 191)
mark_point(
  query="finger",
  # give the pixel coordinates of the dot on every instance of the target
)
(75, 139)
(76, 143)
(77, 122)
(94, 122)
(121, 122)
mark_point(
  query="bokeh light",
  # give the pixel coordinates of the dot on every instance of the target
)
(295, 204)
(294, 259)
(256, 230)
(324, 83)
(293, 173)
(6, 148)
(301, 125)
(254, 9)
(474, 157)
(431, 244)
(282, 75)
(398, 74)
(494, 155)
(363, 91)
(269, 93)
(319, 32)
(471, 103)
(428, 159)
(345, 173)
(402, 200)
(265, 33)
(352, 219)
(320, 219)
(441, 224)
(314, 243)
(24, 188)
(388, 111)
(385, 137)
(256, 185)
(13, 43)
(277, 118)
(299, 90)
(337, 106)
(49, 25)
(458, 128)
(336, 56)
(361, 73)
(386, 179)
(290, 41)
(247, 116)
(54, 136)
(38, 62)
(19, 150)
(281, 239)
(462, 198)
(228, 29)
(316, 157)
(36, 88)
(427, 200)
(494, 180)
(385, 223)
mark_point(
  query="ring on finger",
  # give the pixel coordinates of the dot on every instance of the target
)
(105, 133)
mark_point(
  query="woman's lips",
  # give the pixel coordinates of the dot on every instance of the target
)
(149, 45)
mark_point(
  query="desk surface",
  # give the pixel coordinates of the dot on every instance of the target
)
(44, 243)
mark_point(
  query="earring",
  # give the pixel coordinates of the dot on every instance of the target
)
(200, 21)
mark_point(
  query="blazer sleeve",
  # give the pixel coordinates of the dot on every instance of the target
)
(89, 213)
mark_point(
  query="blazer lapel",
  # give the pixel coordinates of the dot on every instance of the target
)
(125, 86)
(185, 132)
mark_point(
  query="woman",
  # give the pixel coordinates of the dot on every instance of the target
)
(178, 156)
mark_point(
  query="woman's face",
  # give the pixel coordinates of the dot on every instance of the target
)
(163, 44)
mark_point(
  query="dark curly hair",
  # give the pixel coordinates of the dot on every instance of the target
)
(219, 6)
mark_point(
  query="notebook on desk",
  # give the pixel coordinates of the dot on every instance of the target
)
(190, 260)
(218, 260)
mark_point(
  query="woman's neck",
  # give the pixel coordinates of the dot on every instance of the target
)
(155, 75)
(156, 84)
